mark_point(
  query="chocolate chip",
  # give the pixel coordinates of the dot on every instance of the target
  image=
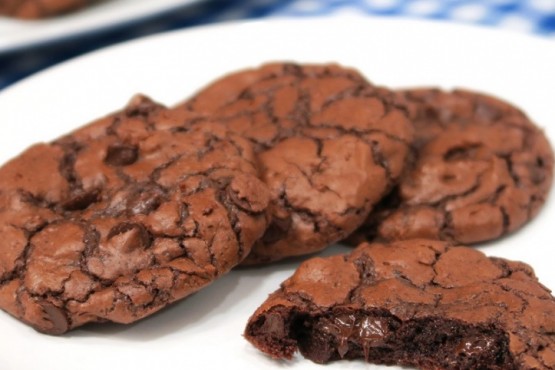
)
(57, 319)
(277, 230)
(80, 200)
(121, 155)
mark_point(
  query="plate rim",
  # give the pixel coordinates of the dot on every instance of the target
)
(97, 27)
(275, 21)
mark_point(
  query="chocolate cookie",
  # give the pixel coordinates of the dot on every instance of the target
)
(330, 146)
(482, 170)
(32, 9)
(411, 303)
(118, 219)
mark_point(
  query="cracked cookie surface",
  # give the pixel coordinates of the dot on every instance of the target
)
(411, 303)
(330, 145)
(119, 219)
(32, 9)
(482, 169)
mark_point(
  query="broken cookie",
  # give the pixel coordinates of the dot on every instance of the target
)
(418, 303)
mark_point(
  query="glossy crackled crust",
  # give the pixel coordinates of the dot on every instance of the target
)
(481, 170)
(411, 303)
(32, 9)
(118, 219)
(330, 146)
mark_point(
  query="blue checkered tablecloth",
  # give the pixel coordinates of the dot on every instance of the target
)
(532, 16)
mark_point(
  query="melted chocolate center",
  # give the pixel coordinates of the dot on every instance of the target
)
(379, 337)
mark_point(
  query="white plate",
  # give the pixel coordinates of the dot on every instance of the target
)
(204, 331)
(16, 33)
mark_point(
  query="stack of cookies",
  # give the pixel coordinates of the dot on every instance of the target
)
(141, 208)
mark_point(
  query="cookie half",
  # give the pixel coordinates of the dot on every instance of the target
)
(481, 170)
(330, 145)
(117, 219)
(411, 303)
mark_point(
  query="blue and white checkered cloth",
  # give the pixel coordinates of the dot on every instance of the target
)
(532, 16)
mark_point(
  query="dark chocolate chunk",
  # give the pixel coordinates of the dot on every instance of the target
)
(121, 155)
